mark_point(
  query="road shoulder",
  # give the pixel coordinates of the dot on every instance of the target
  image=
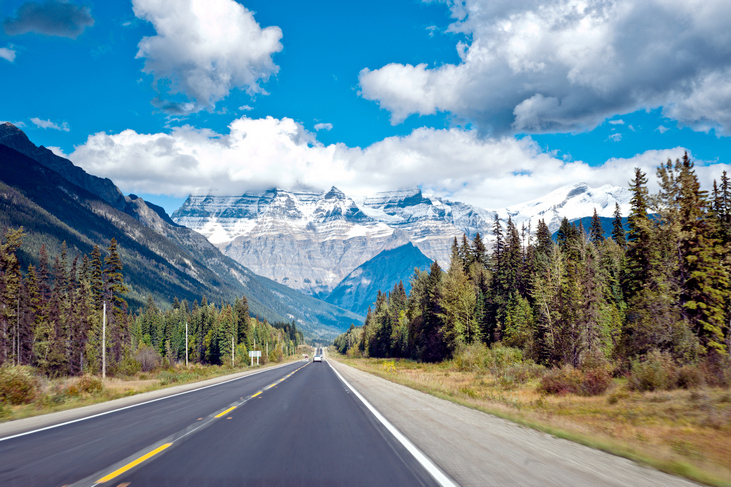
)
(476, 448)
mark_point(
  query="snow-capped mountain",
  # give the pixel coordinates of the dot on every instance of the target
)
(572, 202)
(311, 240)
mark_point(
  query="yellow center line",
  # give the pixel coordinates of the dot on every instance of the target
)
(257, 394)
(132, 464)
(226, 411)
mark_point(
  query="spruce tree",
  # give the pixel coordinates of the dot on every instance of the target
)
(618, 233)
(543, 237)
(596, 232)
(639, 250)
(479, 251)
(705, 280)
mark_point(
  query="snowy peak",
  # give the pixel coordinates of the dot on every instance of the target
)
(572, 202)
(311, 240)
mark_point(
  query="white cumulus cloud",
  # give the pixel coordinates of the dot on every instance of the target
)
(323, 126)
(259, 154)
(567, 65)
(203, 49)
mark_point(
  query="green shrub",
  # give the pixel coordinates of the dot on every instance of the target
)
(657, 371)
(18, 385)
(477, 357)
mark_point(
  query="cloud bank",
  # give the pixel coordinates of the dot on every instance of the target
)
(203, 49)
(263, 153)
(52, 18)
(535, 66)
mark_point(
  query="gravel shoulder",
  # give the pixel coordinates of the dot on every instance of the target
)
(479, 449)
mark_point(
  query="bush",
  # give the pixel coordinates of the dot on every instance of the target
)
(90, 385)
(562, 381)
(657, 371)
(18, 385)
(596, 382)
(148, 358)
(716, 370)
(690, 377)
(477, 357)
(593, 382)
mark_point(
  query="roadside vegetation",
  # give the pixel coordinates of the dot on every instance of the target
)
(26, 392)
(55, 337)
(622, 342)
(684, 430)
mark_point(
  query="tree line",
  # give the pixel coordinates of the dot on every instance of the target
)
(661, 284)
(56, 315)
(212, 332)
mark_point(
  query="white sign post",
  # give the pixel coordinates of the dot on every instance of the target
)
(255, 353)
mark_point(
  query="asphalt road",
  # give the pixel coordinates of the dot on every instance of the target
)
(295, 425)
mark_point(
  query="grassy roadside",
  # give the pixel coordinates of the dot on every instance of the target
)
(682, 432)
(53, 395)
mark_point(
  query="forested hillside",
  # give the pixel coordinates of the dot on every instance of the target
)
(660, 286)
(53, 318)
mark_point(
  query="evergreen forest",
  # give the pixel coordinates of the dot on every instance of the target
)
(62, 315)
(659, 287)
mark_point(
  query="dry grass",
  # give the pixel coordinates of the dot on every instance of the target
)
(685, 432)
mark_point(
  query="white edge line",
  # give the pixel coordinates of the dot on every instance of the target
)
(138, 404)
(424, 460)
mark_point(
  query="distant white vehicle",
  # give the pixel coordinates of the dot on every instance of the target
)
(318, 358)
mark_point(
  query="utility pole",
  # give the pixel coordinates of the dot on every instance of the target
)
(104, 342)
(186, 344)
(17, 329)
(233, 351)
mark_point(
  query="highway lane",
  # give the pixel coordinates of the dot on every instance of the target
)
(72, 452)
(307, 430)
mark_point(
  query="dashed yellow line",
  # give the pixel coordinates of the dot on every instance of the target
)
(257, 394)
(226, 411)
(132, 464)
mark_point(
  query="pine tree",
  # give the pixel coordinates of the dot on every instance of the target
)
(479, 251)
(705, 280)
(618, 233)
(596, 232)
(639, 250)
(10, 286)
(113, 288)
(544, 238)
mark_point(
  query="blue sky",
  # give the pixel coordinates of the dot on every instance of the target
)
(488, 102)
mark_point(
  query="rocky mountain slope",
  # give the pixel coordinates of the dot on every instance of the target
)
(11, 136)
(311, 240)
(160, 257)
(360, 288)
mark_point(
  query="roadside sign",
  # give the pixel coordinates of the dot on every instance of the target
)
(254, 353)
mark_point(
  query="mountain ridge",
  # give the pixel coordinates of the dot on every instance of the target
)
(311, 240)
(161, 257)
